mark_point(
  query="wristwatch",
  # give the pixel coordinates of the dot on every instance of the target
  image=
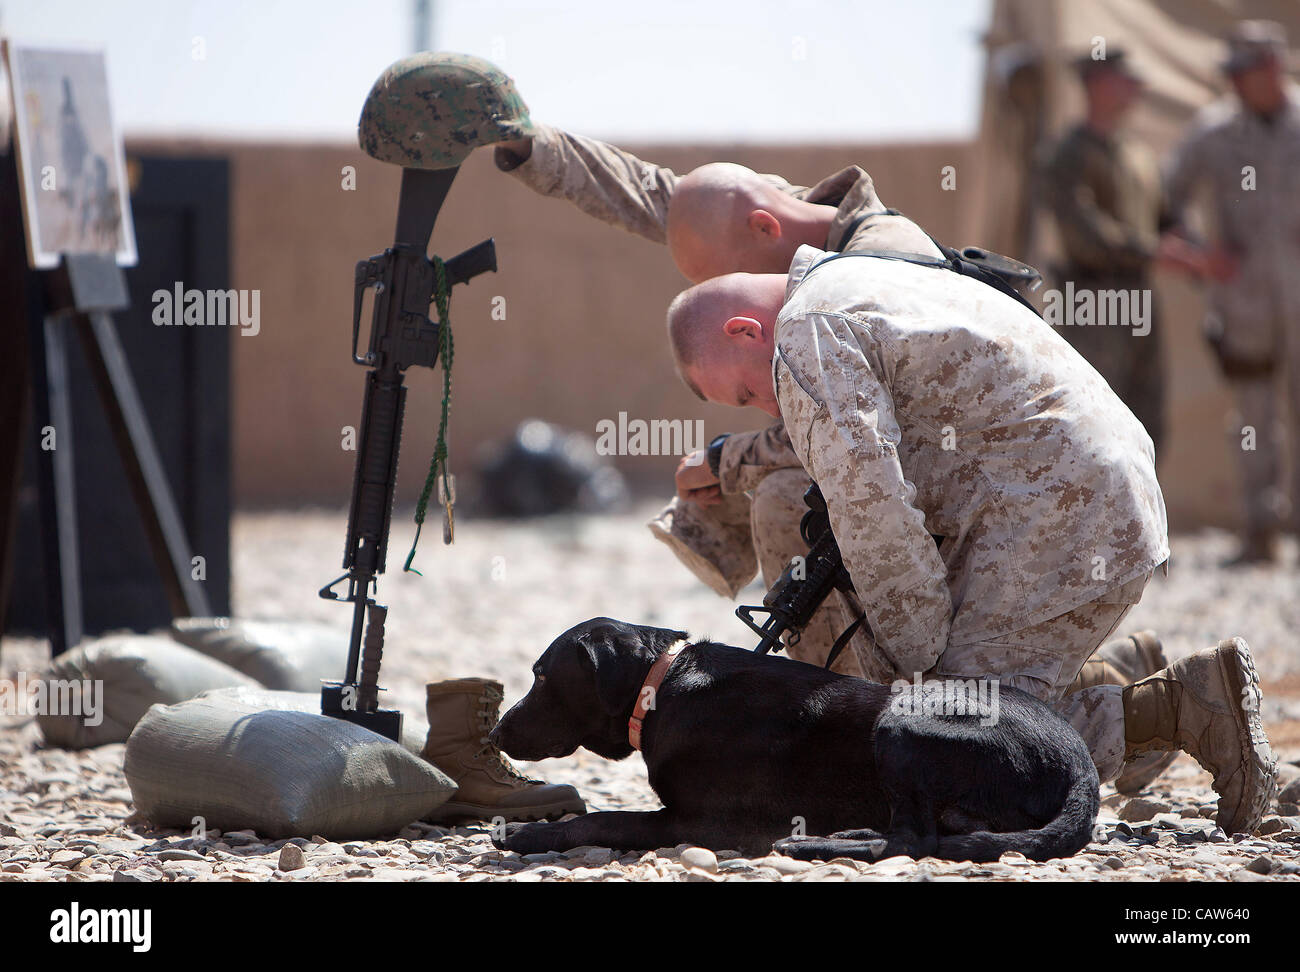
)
(715, 453)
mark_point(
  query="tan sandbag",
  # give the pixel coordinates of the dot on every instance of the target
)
(293, 656)
(414, 730)
(279, 772)
(127, 674)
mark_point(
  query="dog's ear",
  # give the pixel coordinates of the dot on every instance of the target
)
(616, 659)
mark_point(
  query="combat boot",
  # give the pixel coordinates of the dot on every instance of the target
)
(1257, 547)
(1123, 662)
(1207, 705)
(462, 711)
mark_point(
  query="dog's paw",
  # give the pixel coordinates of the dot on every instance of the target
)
(503, 835)
(800, 848)
(525, 838)
(867, 834)
(829, 848)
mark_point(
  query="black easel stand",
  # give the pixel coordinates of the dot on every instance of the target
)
(79, 295)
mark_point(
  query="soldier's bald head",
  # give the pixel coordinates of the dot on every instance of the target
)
(724, 218)
(721, 332)
(696, 316)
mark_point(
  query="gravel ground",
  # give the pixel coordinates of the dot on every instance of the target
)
(490, 604)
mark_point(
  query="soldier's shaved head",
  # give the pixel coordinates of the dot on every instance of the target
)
(724, 218)
(721, 332)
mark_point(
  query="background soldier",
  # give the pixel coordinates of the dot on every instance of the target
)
(1103, 188)
(1245, 149)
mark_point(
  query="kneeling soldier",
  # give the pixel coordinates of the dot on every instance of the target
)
(926, 403)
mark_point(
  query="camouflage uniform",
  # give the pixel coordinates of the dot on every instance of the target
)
(1257, 313)
(923, 402)
(721, 544)
(1105, 194)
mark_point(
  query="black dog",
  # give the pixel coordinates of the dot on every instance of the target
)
(746, 750)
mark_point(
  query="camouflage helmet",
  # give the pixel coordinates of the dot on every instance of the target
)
(430, 110)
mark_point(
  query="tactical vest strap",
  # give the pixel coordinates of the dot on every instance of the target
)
(990, 268)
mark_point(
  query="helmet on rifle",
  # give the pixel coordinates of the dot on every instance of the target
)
(429, 111)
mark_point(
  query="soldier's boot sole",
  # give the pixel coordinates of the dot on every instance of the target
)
(1238, 667)
(454, 813)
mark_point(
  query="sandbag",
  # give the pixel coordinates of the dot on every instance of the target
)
(293, 656)
(129, 673)
(279, 772)
(414, 731)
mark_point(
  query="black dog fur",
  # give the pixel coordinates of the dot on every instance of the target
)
(740, 747)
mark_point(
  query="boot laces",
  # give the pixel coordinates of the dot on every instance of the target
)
(487, 712)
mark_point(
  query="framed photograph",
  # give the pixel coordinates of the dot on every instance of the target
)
(70, 158)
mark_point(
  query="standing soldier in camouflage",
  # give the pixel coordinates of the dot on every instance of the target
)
(925, 403)
(1245, 150)
(1103, 188)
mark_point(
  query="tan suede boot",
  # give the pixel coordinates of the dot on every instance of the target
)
(1207, 705)
(1257, 547)
(1124, 661)
(462, 711)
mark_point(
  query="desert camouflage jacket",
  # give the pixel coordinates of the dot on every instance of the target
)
(924, 402)
(618, 188)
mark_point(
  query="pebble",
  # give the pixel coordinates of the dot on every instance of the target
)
(701, 858)
(292, 858)
(179, 855)
(1140, 808)
(785, 865)
(1291, 792)
(1262, 864)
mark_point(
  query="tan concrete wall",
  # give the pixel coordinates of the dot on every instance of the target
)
(583, 335)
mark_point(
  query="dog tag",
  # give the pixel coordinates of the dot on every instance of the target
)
(447, 497)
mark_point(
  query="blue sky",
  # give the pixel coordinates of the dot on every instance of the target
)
(646, 70)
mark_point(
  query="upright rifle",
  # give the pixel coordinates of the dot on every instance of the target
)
(425, 113)
(401, 335)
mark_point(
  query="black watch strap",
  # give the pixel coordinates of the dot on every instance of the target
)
(715, 453)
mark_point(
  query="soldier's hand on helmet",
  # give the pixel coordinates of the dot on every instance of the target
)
(695, 483)
(512, 154)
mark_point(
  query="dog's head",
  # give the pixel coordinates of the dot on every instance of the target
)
(584, 689)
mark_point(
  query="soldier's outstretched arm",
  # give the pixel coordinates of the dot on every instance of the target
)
(600, 179)
(841, 422)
